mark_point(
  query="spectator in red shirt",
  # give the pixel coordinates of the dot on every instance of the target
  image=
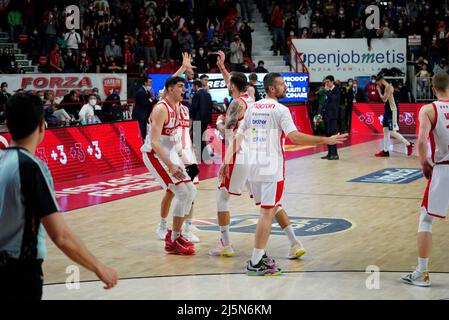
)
(54, 59)
(371, 91)
(149, 45)
(277, 21)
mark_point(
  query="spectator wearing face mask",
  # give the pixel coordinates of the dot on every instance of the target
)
(237, 49)
(72, 41)
(112, 50)
(145, 100)
(87, 112)
(84, 63)
(202, 66)
(354, 94)
(70, 62)
(371, 91)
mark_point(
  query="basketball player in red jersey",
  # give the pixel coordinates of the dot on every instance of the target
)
(433, 126)
(189, 160)
(161, 156)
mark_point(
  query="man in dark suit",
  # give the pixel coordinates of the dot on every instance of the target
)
(145, 100)
(330, 114)
(202, 109)
(354, 94)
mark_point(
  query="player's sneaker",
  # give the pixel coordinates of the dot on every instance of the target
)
(182, 240)
(178, 247)
(189, 235)
(270, 262)
(162, 230)
(296, 251)
(382, 153)
(417, 278)
(410, 148)
(222, 250)
(266, 267)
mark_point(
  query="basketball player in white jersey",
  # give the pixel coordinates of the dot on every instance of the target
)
(189, 160)
(265, 126)
(161, 156)
(390, 118)
(239, 169)
(433, 126)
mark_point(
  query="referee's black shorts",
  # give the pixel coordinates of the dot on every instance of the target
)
(21, 280)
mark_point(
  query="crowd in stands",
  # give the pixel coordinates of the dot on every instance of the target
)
(128, 36)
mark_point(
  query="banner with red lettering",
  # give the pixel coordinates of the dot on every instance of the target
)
(367, 118)
(62, 83)
(86, 151)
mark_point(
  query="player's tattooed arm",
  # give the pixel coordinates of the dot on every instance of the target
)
(236, 108)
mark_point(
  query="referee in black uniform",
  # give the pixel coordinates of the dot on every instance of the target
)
(28, 205)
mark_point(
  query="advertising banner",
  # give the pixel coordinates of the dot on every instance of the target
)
(86, 151)
(62, 83)
(297, 86)
(349, 58)
(367, 118)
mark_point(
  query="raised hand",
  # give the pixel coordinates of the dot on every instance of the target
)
(187, 61)
(221, 58)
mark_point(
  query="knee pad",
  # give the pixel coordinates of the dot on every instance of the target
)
(182, 198)
(222, 197)
(191, 196)
(425, 221)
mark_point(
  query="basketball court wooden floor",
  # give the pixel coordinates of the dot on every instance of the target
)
(370, 224)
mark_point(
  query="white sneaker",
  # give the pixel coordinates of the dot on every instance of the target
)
(417, 278)
(222, 250)
(188, 233)
(162, 231)
(296, 251)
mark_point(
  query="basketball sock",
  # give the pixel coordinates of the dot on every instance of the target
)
(224, 235)
(290, 234)
(386, 139)
(257, 256)
(175, 235)
(164, 222)
(399, 137)
(422, 264)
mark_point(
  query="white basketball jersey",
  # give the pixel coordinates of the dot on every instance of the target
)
(248, 101)
(439, 136)
(169, 134)
(184, 136)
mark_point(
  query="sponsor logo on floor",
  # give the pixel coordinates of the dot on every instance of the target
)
(303, 226)
(391, 176)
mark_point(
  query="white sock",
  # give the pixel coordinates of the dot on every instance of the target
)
(163, 222)
(257, 256)
(290, 234)
(224, 234)
(422, 264)
(175, 235)
(386, 139)
(399, 136)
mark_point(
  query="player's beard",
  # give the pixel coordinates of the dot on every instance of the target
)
(281, 94)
